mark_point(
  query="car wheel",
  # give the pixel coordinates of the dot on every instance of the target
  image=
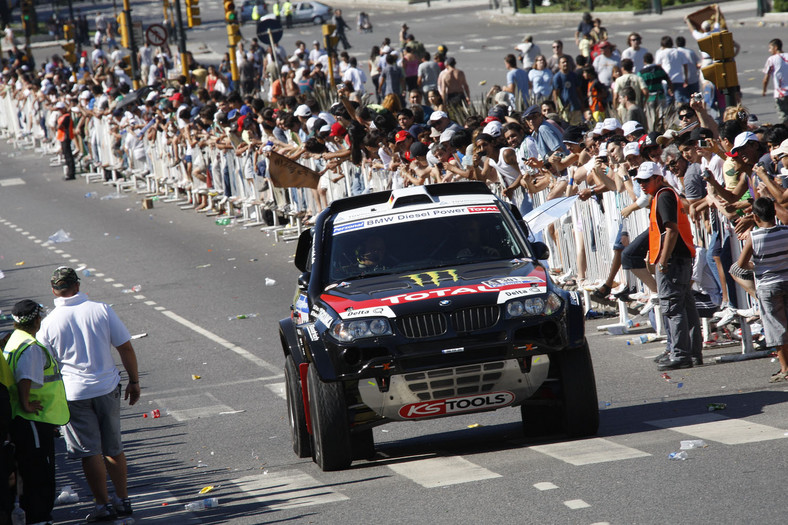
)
(578, 386)
(331, 447)
(541, 413)
(295, 410)
(363, 444)
(317, 20)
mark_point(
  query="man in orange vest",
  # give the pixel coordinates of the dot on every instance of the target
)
(65, 134)
(671, 249)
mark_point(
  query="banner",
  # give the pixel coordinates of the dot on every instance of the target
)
(286, 173)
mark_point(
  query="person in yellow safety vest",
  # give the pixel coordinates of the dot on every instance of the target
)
(287, 10)
(65, 134)
(275, 10)
(671, 248)
(39, 406)
(256, 13)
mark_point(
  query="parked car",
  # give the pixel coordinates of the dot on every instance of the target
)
(307, 13)
(428, 302)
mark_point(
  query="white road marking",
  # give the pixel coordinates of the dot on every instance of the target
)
(575, 504)
(588, 451)
(109, 280)
(159, 308)
(38, 241)
(278, 389)
(25, 233)
(58, 251)
(203, 385)
(117, 285)
(439, 472)
(140, 297)
(14, 181)
(223, 342)
(150, 303)
(545, 485)
(74, 261)
(182, 408)
(714, 427)
(288, 489)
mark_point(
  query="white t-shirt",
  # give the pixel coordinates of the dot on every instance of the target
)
(636, 56)
(81, 334)
(777, 66)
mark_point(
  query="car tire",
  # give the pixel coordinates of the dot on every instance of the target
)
(542, 414)
(331, 444)
(363, 444)
(317, 20)
(295, 410)
(578, 386)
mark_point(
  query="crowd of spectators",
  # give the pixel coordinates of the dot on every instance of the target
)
(556, 126)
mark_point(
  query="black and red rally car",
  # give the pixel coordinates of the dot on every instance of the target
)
(428, 302)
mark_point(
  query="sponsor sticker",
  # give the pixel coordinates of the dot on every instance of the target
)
(323, 317)
(312, 331)
(482, 209)
(533, 289)
(375, 311)
(456, 405)
(302, 309)
(422, 279)
(506, 281)
(349, 227)
(395, 218)
(574, 298)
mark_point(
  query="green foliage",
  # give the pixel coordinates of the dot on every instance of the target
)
(780, 6)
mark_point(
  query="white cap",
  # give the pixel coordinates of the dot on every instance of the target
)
(648, 170)
(326, 128)
(285, 69)
(493, 128)
(602, 150)
(446, 135)
(667, 137)
(611, 124)
(597, 129)
(328, 117)
(85, 95)
(437, 115)
(302, 111)
(60, 105)
(630, 127)
(741, 139)
(631, 148)
(151, 96)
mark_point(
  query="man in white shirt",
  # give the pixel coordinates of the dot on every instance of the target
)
(676, 65)
(604, 63)
(635, 52)
(81, 333)
(355, 76)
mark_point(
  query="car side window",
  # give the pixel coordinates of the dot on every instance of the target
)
(305, 6)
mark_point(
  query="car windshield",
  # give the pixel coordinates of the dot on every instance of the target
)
(421, 240)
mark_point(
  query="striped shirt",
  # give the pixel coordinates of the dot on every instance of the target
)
(770, 254)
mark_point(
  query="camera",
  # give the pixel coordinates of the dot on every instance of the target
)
(697, 97)
(707, 174)
(703, 143)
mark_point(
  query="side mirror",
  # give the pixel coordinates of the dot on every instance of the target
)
(302, 249)
(303, 281)
(541, 251)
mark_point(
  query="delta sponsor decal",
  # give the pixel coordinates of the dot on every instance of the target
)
(456, 405)
(375, 311)
(532, 289)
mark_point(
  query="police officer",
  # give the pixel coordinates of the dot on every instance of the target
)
(287, 11)
(38, 404)
(671, 249)
(275, 11)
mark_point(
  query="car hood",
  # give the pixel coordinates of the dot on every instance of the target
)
(470, 284)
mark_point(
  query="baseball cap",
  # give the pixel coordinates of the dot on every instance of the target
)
(649, 141)
(337, 130)
(437, 115)
(493, 129)
(631, 127)
(598, 128)
(447, 135)
(302, 111)
(60, 105)
(64, 277)
(531, 110)
(490, 119)
(177, 96)
(325, 129)
(402, 135)
(573, 135)
(667, 137)
(741, 140)
(780, 151)
(611, 124)
(648, 170)
(418, 149)
(631, 148)
(604, 43)
(25, 311)
(498, 111)
(151, 96)
(701, 133)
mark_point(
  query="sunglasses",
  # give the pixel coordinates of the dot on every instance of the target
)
(672, 163)
(645, 181)
(687, 116)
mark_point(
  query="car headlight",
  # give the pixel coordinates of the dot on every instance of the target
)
(348, 331)
(534, 306)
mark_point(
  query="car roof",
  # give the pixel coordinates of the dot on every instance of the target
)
(414, 198)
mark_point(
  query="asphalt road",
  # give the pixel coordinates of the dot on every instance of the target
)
(228, 428)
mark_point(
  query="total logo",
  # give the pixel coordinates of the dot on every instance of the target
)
(456, 405)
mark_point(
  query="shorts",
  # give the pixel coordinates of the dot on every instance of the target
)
(617, 245)
(774, 312)
(94, 427)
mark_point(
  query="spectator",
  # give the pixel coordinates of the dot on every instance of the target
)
(341, 26)
(428, 73)
(517, 80)
(452, 84)
(634, 52)
(653, 75)
(567, 93)
(676, 65)
(606, 62)
(584, 27)
(629, 80)
(693, 68)
(392, 81)
(528, 52)
(541, 79)
(558, 52)
(777, 68)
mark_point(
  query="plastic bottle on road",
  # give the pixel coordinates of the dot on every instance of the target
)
(207, 503)
(692, 443)
(680, 456)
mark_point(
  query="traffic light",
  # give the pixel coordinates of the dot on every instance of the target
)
(28, 16)
(68, 32)
(719, 46)
(125, 64)
(123, 29)
(233, 34)
(69, 52)
(329, 35)
(193, 12)
(230, 15)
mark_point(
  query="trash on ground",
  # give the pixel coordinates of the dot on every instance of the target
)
(242, 316)
(139, 336)
(134, 289)
(203, 266)
(91, 195)
(113, 196)
(716, 406)
(66, 496)
(475, 425)
(207, 489)
(195, 377)
(60, 236)
(20, 263)
(665, 376)
(232, 412)
(693, 443)
(207, 503)
(269, 281)
(680, 456)
(2, 275)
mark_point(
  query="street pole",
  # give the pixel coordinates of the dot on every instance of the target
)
(181, 40)
(135, 70)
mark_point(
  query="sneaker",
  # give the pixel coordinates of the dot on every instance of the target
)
(727, 316)
(653, 301)
(749, 312)
(122, 506)
(102, 513)
(719, 313)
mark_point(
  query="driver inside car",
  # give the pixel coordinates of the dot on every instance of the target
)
(473, 245)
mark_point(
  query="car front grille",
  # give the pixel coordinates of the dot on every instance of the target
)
(451, 382)
(423, 325)
(475, 318)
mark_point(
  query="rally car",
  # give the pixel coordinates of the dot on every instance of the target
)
(428, 302)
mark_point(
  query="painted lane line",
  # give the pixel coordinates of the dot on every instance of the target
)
(278, 389)
(38, 241)
(714, 427)
(150, 303)
(99, 274)
(588, 451)
(140, 297)
(545, 485)
(58, 251)
(440, 472)
(223, 342)
(183, 408)
(575, 504)
(109, 280)
(203, 385)
(117, 285)
(159, 308)
(73, 261)
(288, 489)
